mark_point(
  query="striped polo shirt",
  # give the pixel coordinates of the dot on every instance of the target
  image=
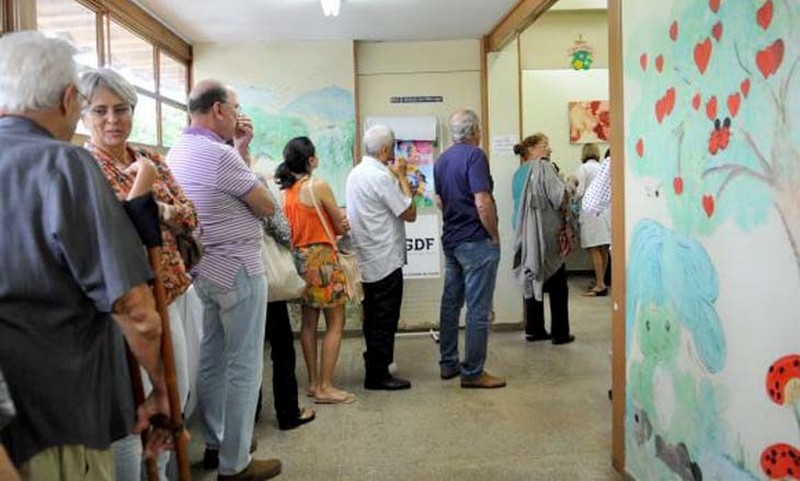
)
(214, 176)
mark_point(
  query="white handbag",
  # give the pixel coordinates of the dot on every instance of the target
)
(283, 281)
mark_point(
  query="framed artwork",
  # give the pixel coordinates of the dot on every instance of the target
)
(589, 121)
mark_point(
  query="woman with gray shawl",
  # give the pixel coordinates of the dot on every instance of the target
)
(541, 243)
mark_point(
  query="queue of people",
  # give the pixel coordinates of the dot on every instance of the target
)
(76, 287)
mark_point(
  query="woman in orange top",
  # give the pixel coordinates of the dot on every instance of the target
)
(315, 257)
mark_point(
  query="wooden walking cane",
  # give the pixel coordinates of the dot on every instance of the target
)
(143, 212)
(181, 437)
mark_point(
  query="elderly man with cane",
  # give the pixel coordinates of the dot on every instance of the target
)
(74, 284)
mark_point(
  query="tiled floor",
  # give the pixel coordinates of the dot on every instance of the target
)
(552, 422)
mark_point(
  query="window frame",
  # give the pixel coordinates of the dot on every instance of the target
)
(137, 22)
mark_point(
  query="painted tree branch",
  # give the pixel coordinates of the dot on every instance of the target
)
(785, 90)
(765, 164)
(685, 78)
(733, 171)
(740, 61)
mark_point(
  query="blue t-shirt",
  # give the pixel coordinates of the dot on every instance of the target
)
(461, 172)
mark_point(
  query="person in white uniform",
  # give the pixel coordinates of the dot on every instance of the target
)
(595, 226)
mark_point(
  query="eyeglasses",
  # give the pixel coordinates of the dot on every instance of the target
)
(117, 110)
(237, 109)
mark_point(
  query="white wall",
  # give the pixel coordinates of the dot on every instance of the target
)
(545, 107)
(580, 5)
(545, 42)
(504, 114)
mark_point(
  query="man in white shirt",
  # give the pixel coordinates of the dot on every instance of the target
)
(379, 201)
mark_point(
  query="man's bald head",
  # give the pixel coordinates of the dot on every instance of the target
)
(205, 94)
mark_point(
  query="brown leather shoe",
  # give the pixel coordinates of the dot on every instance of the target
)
(257, 470)
(484, 381)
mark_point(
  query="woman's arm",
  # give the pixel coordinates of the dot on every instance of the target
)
(181, 213)
(324, 195)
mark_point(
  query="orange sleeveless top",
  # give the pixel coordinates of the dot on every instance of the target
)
(303, 219)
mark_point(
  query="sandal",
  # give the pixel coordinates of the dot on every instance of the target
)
(344, 398)
(594, 293)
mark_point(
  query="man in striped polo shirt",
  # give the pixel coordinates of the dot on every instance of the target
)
(229, 278)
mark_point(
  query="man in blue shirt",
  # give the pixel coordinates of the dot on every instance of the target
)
(75, 280)
(471, 245)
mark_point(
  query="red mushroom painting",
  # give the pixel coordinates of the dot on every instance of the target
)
(782, 461)
(783, 383)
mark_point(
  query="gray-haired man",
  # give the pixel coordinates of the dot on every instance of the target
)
(471, 245)
(379, 200)
(74, 276)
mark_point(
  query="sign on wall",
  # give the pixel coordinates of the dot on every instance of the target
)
(422, 248)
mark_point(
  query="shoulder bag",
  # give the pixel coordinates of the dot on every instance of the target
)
(347, 260)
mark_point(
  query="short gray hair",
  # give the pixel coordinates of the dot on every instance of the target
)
(463, 125)
(376, 138)
(104, 78)
(35, 70)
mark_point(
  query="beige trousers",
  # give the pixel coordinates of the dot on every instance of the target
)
(70, 463)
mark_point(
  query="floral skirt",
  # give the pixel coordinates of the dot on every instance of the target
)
(325, 281)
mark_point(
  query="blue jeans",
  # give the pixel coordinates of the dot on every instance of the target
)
(231, 361)
(470, 274)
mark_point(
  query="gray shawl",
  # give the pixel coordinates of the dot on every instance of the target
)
(536, 250)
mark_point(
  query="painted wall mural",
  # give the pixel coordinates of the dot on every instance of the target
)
(325, 115)
(712, 132)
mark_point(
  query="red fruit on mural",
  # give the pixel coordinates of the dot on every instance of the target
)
(711, 108)
(745, 86)
(702, 55)
(697, 100)
(673, 31)
(724, 137)
(708, 205)
(717, 31)
(764, 15)
(714, 4)
(713, 142)
(780, 461)
(769, 60)
(643, 61)
(677, 185)
(661, 110)
(640, 148)
(669, 100)
(734, 102)
(659, 63)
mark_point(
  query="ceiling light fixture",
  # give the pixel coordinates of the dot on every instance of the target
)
(331, 7)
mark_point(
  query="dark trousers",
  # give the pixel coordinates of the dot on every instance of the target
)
(284, 381)
(557, 287)
(381, 307)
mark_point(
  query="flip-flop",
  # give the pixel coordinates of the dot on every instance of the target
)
(349, 398)
(594, 293)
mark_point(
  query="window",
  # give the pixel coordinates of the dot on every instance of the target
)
(124, 37)
(72, 22)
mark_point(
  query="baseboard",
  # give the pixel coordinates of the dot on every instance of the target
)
(424, 331)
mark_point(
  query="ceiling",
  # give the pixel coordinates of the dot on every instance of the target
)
(232, 21)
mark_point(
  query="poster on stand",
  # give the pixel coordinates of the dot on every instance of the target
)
(422, 248)
(418, 155)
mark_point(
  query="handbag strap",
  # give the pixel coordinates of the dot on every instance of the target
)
(319, 214)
